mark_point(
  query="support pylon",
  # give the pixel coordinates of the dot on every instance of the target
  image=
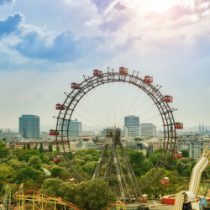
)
(114, 166)
(7, 198)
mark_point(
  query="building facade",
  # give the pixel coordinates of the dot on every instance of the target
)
(148, 130)
(131, 126)
(194, 145)
(74, 128)
(29, 126)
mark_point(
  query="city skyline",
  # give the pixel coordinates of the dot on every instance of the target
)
(200, 128)
(42, 53)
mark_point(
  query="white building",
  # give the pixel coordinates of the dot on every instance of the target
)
(194, 144)
(148, 130)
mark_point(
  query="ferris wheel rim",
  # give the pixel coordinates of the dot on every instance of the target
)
(165, 111)
(89, 83)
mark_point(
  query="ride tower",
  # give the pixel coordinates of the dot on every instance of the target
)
(114, 167)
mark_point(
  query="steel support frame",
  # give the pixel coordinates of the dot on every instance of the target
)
(88, 84)
(126, 179)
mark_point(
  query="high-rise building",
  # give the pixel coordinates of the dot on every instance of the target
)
(75, 128)
(29, 126)
(131, 125)
(148, 130)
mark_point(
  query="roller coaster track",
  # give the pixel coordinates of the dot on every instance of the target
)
(197, 171)
(33, 200)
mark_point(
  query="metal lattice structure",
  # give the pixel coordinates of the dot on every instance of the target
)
(114, 161)
(80, 90)
(37, 201)
(7, 198)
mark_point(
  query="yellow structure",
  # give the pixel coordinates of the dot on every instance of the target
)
(33, 200)
(118, 205)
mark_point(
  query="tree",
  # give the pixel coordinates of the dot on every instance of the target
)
(205, 182)
(35, 162)
(54, 187)
(16, 164)
(138, 139)
(41, 148)
(3, 150)
(89, 167)
(184, 166)
(58, 188)
(4, 140)
(50, 148)
(57, 148)
(87, 155)
(70, 192)
(28, 146)
(69, 155)
(27, 173)
(25, 155)
(139, 162)
(185, 153)
(93, 195)
(154, 190)
(155, 157)
(60, 172)
(56, 171)
(6, 173)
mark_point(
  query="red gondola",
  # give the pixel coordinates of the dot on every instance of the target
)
(123, 71)
(168, 200)
(178, 125)
(75, 85)
(57, 159)
(178, 155)
(167, 99)
(97, 73)
(53, 132)
(60, 107)
(148, 79)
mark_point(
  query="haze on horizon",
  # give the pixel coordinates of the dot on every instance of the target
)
(45, 46)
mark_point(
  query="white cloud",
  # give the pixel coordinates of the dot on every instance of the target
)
(172, 46)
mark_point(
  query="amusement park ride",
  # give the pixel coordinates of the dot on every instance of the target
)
(37, 201)
(115, 164)
(79, 90)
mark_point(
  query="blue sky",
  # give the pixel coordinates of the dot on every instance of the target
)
(45, 45)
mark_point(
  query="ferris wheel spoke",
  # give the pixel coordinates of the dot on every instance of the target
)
(102, 101)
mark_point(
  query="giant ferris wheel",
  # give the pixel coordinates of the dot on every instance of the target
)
(162, 102)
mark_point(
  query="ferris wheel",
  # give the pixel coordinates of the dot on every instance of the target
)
(78, 93)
